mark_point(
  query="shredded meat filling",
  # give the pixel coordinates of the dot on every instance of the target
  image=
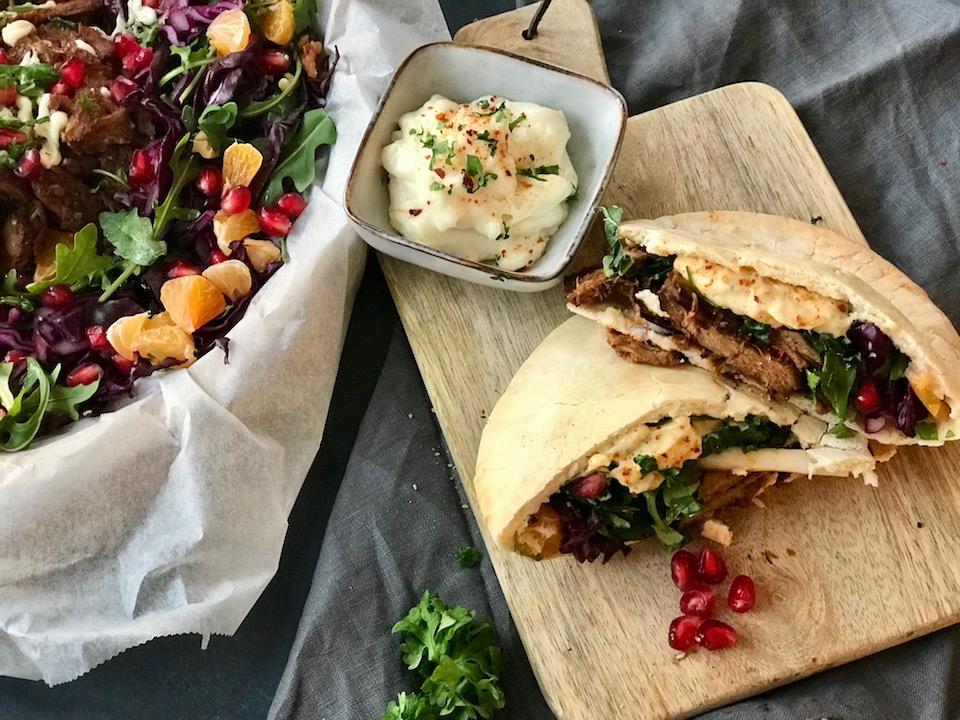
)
(642, 353)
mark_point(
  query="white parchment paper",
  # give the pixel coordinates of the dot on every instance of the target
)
(167, 515)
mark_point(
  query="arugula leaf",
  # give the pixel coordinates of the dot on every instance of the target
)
(753, 432)
(185, 168)
(757, 330)
(304, 15)
(80, 265)
(298, 159)
(617, 262)
(64, 400)
(679, 494)
(132, 237)
(836, 382)
(215, 121)
(197, 54)
(537, 172)
(10, 294)
(6, 394)
(261, 107)
(665, 534)
(468, 557)
(410, 706)
(16, 432)
(841, 431)
(927, 431)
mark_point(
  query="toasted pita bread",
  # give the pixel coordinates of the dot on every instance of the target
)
(820, 260)
(574, 398)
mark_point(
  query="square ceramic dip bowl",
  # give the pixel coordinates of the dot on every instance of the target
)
(596, 115)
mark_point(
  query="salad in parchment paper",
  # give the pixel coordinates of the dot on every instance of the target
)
(152, 160)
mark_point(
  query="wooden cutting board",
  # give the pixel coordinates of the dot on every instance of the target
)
(843, 570)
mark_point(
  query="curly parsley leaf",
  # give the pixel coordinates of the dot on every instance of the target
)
(298, 160)
(617, 262)
(132, 237)
(468, 557)
(78, 266)
(410, 706)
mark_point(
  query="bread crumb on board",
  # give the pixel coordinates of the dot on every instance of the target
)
(718, 532)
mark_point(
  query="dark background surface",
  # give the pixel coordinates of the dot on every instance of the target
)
(875, 84)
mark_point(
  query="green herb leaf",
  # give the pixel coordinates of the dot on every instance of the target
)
(498, 110)
(215, 121)
(78, 266)
(469, 557)
(298, 160)
(617, 262)
(30, 80)
(841, 431)
(132, 237)
(262, 107)
(538, 172)
(517, 121)
(665, 534)
(755, 329)
(898, 365)
(410, 706)
(6, 394)
(64, 400)
(813, 380)
(751, 433)
(475, 172)
(20, 426)
(304, 15)
(491, 141)
(647, 464)
(836, 381)
(10, 294)
(927, 431)
(433, 630)
(436, 185)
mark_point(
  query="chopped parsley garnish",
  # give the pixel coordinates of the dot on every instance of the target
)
(444, 148)
(517, 120)
(498, 112)
(436, 185)
(491, 141)
(468, 557)
(537, 172)
(475, 177)
(30, 80)
(505, 234)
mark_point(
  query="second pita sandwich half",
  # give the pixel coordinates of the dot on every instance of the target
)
(784, 308)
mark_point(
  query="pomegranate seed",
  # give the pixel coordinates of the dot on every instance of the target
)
(273, 62)
(683, 569)
(30, 165)
(62, 88)
(716, 635)
(98, 338)
(590, 487)
(743, 594)
(141, 169)
(137, 60)
(121, 87)
(15, 356)
(273, 222)
(84, 375)
(292, 205)
(698, 601)
(867, 400)
(4, 58)
(73, 72)
(152, 3)
(122, 364)
(683, 632)
(182, 268)
(217, 257)
(236, 199)
(57, 296)
(711, 568)
(210, 181)
(8, 96)
(9, 136)
(124, 44)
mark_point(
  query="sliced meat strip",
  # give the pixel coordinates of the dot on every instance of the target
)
(595, 288)
(719, 490)
(22, 221)
(717, 330)
(637, 351)
(795, 345)
(93, 129)
(67, 198)
(61, 9)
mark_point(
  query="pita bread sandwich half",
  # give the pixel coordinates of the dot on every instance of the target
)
(787, 308)
(586, 453)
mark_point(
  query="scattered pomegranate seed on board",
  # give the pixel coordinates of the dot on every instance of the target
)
(716, 635)
(683, 569)
(698, 601)
(683, 632)
(743, 594)
(710, 567)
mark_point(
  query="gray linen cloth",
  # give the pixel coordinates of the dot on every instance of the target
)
(875, 84)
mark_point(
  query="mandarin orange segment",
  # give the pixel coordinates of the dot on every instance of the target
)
(161, 339)
(229, 32)
(241, 162)
(230, 228)
(124, 334)
(261, 253)
(231, 277)
(192, 301)
(278, 22)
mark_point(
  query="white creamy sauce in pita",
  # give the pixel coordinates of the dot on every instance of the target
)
(746, 292)
(487, 181)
